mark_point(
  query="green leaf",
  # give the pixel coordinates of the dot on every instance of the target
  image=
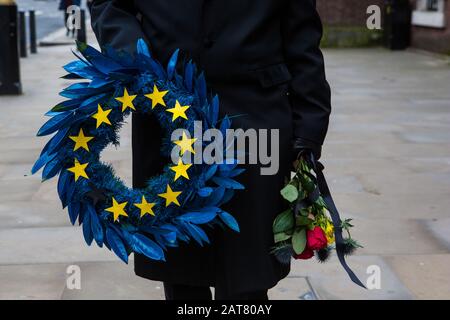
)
(284, 222)
(299, 241)
(346, 224)
(302, 221)
(290, 193)
(304, 212)
(281, 236)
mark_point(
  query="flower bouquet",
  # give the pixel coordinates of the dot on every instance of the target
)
(311, 226)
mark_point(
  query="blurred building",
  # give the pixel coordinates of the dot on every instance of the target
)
(345, 23)
(430, 25)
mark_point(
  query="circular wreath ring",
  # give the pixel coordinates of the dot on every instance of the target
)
(174, 205)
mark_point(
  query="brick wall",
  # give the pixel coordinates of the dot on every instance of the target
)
(345, 12)
(352, 13)
(433, 39)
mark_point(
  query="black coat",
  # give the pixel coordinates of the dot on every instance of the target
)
(263, 59)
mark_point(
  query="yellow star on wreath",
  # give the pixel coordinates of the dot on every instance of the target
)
(170, 196)
(127, 100)
(178, 111)
(145, 207)
(78, 170)
(101, 116)
(81, 141)
(157, 97)
(181, 170)
(117, 209)
(186, 144)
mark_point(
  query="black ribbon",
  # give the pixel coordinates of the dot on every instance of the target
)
(322, 187)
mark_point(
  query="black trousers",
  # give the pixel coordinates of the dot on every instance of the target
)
(185, 292)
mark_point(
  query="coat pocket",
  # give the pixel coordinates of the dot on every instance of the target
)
(272, 75)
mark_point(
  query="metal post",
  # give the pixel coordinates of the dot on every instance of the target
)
(32, 23)
(22, 35)
(9, 57)
(81, 33)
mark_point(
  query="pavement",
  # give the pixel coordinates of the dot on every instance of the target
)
(387, 159)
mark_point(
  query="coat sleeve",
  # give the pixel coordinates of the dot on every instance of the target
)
(115, 23)
(309, 91)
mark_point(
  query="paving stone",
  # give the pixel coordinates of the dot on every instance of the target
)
(293, 288)
(32, 281)
(439, 229)
(25, 214)
(395, 236)
(426, 276)
(330, 281)
(414, 206)
(48, 245)
(112, 281)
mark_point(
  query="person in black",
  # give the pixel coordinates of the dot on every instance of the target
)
(262, 58)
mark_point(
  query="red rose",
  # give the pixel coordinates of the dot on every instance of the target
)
(316, 239)
(305, 255)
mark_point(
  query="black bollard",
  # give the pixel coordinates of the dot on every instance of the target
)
(81, 32)
(9, 57)
(32, 23)
(22, 35)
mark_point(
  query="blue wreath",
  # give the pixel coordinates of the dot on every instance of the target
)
(89, 188)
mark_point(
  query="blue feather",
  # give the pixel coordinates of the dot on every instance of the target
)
(236, 172)
(75, 66)
(142, 48)
(96, 227)
(143, 245)
(204, 192)
(87, 230)
(189, 76)
(99, 83)
(70, 188)
(224, 125)
(228, 183)
(51, 169)
(215, 197)
(160, 241)
(197, 233)
(74, 211)
(214, 110)
(83, 71)
(116, 243)
(51, 113)
(55, 123)
(199, 217)
(171, 237)
(92, 101)
(229, 220)
(63, 181)
(101, 62)
(71, 76)
(167, 232)
(56, 141)
(158, 69)
(211, 172)
(42, 161)
(172, 64)
(67, 105)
